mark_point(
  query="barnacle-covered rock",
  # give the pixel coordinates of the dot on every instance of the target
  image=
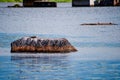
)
(36, 44)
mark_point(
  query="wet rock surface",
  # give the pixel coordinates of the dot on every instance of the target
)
(36, 44)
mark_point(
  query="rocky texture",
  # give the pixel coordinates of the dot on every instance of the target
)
(99, 24)
(35, 44)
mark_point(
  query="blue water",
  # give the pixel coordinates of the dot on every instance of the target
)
(98, 55)
(57, 68)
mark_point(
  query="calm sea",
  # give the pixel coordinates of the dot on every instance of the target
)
(98, 55)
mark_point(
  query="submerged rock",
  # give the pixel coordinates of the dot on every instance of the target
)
(99, 23)
(35, 44)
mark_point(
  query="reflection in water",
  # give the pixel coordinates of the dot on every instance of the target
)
(29, 67)
(59, 67)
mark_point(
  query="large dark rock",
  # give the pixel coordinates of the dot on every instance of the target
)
(35, 44)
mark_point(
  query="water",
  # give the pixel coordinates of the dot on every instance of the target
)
(98, 55)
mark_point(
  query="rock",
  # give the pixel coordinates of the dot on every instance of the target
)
(35, 44)
(99, 23)
(15, 5)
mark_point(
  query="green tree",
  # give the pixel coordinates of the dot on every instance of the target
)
(18, 0)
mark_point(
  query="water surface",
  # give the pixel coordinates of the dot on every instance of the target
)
(98, 55)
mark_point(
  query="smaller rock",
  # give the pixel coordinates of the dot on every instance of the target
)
(99, 23)
(15, 5)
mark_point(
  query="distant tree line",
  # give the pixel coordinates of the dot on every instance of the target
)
(61, 0)
(11, 0)
(22, 0)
